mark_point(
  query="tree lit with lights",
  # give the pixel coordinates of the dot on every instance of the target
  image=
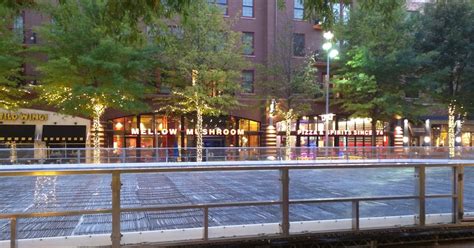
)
(89, 69)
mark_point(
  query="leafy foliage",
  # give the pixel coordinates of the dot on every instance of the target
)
(88, 66)
(378, 60)
(323, 9)
(16, 5)
(445, 47)
(202, 48)
(11, 91)
(291, 81)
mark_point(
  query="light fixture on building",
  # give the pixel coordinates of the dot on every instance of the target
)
(458, 139)
(427, 139)
(405, 139)
(118, 126)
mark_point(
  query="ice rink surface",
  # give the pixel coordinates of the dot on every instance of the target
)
(79, 192)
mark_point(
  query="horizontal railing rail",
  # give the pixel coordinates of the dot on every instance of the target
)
(66, 155)
(420, 196)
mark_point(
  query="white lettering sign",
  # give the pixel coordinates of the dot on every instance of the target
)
(174, 131)
(340, 132)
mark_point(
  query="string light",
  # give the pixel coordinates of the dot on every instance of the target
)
(45, 191)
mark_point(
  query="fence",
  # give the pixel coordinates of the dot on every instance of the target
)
(285, 226)
(129, 155)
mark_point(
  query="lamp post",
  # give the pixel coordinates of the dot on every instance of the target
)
(331, 53)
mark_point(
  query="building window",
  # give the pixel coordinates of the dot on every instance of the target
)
(247, 8)
(248, 43)
(298, 45)
(19, 27)
(247, 81)
(222, 4)
(298, 10)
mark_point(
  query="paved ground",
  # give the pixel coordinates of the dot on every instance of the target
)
(31, 194)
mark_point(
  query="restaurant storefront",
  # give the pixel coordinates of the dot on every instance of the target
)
(309, 131)
(39, 128)
(161, 131)
(435, 133)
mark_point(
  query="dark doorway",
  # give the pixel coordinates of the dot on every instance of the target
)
(62, 136)
(17, 133)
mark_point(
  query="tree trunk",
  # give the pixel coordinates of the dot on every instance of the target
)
(287, 139)
(98, 112)
(451, 129)
(374, 133)
(199, 142)
(288, 118)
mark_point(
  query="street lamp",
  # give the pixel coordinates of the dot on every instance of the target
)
(331, 53)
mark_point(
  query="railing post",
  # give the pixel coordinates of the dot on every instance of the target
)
(206, 224)
(458, 190)
(78, 156)
(420, 190)
(116, 186)
(13, 239)
(355, 215)
(123, 155)
(285, 200)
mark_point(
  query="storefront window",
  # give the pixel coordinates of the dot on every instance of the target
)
(440, 133)
(130, 122)
(161, 123)
(148, 131)
(254, 126)
(310, 132)
(146, 142)
(466, 139)
(146, 122)
(131, 142)
(119, 124)
(118, 141)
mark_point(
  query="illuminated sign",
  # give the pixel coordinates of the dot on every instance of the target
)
(340, 132)
(174, 131)
(23, 117)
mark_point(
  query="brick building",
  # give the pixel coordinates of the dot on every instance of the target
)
(261, 24)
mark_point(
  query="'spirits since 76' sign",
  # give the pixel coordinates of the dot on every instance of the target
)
(20, 116)
(340, 132)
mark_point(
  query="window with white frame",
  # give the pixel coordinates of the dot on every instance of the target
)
(247, 8)
(298, 10)
(222, 4)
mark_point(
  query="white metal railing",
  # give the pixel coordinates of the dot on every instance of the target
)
(420, 196)
(129, 155)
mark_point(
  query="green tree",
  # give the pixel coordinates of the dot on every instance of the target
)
(203, 65)
(117, 12)
(291, 82)
(445, 44)
(377, 62)
(89, 69)
(11, 90)
(324, 9)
